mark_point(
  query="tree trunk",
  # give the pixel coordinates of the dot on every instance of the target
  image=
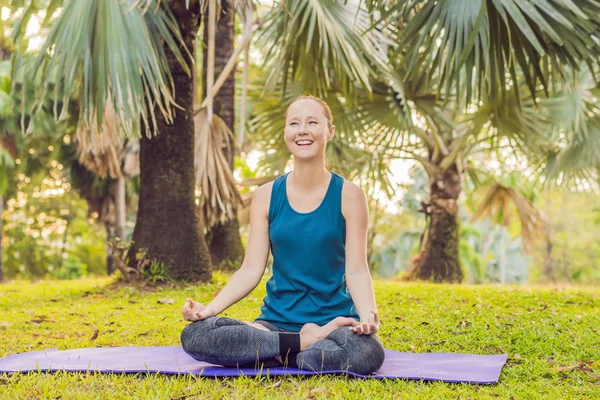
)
(549, 260)
(502, 255)
(1, 231)
(438, 259)
(110, 234)
(225, 243)
(120, 206)
(63, 246)
(168, 226)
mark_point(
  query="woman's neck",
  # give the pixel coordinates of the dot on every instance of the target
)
(308, 175)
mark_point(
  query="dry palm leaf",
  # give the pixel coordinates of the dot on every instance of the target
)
(218, 194)
(503, 201)
(99, 150)
(102, 152)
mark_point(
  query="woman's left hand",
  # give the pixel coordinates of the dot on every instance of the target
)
(368, 328)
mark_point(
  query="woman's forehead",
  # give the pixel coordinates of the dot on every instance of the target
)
(305, 107)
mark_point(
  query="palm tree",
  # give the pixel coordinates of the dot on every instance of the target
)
(135, 57)
(458, 78)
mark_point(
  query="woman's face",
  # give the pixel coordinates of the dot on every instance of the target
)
(307, 130)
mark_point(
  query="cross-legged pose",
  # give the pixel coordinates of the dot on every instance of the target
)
(315, 224)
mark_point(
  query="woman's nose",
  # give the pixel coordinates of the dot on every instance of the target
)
(304, 129)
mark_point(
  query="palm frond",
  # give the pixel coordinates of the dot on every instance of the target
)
(218, 193)
(110, 52)
(473, 43)
(320, 44)
(500, 203)
(576, 133)
(99, 149)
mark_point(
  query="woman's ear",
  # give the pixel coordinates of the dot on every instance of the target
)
(331, 133)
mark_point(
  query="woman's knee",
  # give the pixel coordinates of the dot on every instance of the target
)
(196, 334)
(361, 354)
(365, 353)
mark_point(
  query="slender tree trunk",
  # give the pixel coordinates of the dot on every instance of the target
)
(549, 260)
(226, 247)
(63, 246)
(1, 231)
(438, 259)
(502, 255)
(121, 205)
(110, 234)
(167, 224)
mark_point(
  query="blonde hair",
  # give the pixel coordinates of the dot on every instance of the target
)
(326, 109)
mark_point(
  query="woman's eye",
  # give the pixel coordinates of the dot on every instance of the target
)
(293, 123)
(313, 122)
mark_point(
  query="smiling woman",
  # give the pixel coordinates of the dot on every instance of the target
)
(315, 224)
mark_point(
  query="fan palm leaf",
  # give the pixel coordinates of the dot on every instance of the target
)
(87, 57)
(501, 202)
(320, 44)
(99, 150)
(475, 43)
(576, 133)
(218, 193)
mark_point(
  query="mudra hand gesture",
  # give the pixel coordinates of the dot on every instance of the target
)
(367, 328)
(193, 311)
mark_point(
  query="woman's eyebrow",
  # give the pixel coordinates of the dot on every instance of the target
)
(305, 116)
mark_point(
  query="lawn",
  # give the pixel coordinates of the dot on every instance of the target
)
(551, 337)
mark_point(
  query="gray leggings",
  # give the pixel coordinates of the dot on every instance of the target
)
(229, 342)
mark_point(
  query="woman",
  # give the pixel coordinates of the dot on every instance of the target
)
(315, 224)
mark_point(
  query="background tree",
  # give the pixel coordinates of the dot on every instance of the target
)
(224, 239)
(459, 77)
(151, 70)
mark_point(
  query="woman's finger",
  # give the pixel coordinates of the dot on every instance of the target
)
(191, 302)
(375, 316)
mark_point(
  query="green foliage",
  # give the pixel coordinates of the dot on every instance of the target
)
(571, 250)
(72, 268)
(541, 329)
(45, 224)
(156, 272)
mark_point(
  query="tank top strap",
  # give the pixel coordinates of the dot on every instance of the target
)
(277, 197)
(334, 197)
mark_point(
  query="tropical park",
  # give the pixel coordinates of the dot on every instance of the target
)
(442, 158)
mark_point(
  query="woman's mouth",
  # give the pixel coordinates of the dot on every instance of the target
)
(304, 142)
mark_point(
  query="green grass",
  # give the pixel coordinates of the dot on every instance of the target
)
(542, 329)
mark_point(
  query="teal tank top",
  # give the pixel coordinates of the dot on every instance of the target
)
(309, 261)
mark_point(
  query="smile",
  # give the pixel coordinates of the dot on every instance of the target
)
(304, 142)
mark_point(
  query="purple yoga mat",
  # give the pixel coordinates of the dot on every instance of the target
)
(447, 367)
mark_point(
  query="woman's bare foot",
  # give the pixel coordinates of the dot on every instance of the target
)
(311, 333)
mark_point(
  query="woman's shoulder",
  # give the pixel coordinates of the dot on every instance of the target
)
(352, 190)
(353, 197)
(262, 195)
(263, 192)
(265, 189)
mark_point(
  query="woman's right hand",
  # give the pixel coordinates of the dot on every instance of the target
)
(193, 311)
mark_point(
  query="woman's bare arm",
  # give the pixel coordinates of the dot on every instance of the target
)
(358, 276)
(245, 279)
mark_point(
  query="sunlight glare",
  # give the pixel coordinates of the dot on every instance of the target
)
(5, 13)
